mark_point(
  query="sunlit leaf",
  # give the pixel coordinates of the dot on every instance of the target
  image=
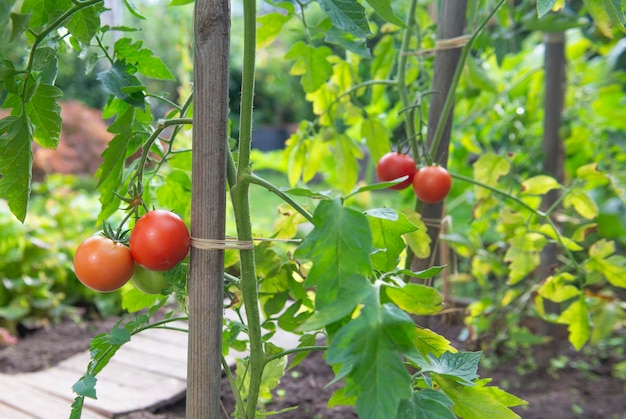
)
(576, 317)
(387, 228)
(539, 185)
(416, 299)
(558, 288)
(488, 169)
(582, 203)
(311, 63)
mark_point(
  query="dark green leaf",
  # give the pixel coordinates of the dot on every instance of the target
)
(461, 366)
(427, 404)
(16, 161)
(45, 114)
(19, 24)
(117, 78)
(77, 408)
(339, 247)
(44, 11)
(348, 42)
(347, 15)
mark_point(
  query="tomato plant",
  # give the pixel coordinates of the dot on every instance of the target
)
(159, 240)
(103, 264)
(150, 282)
(396, 165)
(432, 184)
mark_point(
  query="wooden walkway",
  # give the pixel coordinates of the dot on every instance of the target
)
(145, 373)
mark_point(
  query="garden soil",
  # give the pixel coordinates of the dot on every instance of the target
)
(586, 392)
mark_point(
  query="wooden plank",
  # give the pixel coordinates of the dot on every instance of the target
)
(7, 411)
(38, 403)
(147, 345)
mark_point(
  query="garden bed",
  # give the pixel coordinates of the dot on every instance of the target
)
(588, 391)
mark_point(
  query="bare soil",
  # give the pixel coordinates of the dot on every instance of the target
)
(565, 393)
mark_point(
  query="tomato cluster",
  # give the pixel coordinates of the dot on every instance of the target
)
(431, 184)
(158, 242)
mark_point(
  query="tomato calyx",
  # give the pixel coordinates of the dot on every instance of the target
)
(118, 236)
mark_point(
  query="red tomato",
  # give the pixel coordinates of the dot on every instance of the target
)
(432, 184)
(150, 282)
(395, 165)
(102, 264)
(159, 240)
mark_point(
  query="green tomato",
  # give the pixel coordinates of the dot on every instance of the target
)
(150, 282)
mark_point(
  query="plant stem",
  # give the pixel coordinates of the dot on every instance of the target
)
(295, 350)
(252, 178)
(233, 386)
(447, 105)
(241, 207)
(409, 115)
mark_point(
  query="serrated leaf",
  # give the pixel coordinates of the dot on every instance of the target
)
(460, 366)
(143, 59)
(416, 299)
(367, 350)
(45, 114)
(429, 342)
(582, 203)
(311, 63)
(86, 386)
(577, 319)
(77, 407)
(85, 23)
(16, 161)
(488, 169)
(387, 227)
(383, 8)
(478, 402)
(117, 78)
(347, 15)
(339, 247)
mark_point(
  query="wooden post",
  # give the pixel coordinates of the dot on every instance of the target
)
(553, 164)
(208, 207)
(451, 24)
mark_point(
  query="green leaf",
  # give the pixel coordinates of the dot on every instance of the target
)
(425, 274)
(376, 137)
(427, 404)
(143, 58)
(348, 42)
(347, 15)
(19, 24)
(16, 161)
(367, 351)
(271, 24)
(479, 77)
(86, 386)
(460, 366)
(416, 299)
(311, 63)
(387, 227)
(479, 402)
(383, 8)
(613, 268)
(133, 9)
(419, 240)
(346, 156)
(354, 291)
(44, 11)
(45, 114)
(544, 6)
(539, 185)
(604, 14)
(577, 319)
(84, 24)
(305, 340)
(118, 79)
(488, 169)
(339, 247)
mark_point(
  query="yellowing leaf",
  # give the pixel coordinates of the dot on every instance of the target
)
(429, 342)
(556, 288)
(576, 317)
(416, 299)
(523, 255)
(488, 169)
(539, 185)
(582, 203)
(418, 240)
(569, 243)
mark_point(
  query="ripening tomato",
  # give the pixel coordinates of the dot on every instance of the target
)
(103, 264)
(159, 240)
(395, 165)
(150, 282)
(432, 184)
